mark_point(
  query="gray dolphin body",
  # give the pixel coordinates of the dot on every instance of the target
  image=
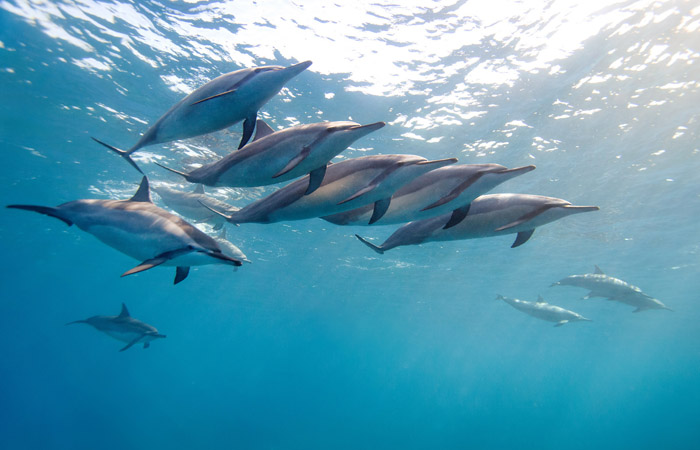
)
(140, 229)
(191, 204)
(276, 156)
(124, 328)
(229, 249)
(347, 185)
(544, 311)
(218, 104)
(489, 215)
(441, 190)
(601, 285)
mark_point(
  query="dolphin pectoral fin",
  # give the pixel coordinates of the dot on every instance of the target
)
(182, 174)
(294, 161)
(458, 215)
(262, 129)
(380, 208)
(526, 217)
(522, 238)
(181, 273)
(370, 245)
(143, 193)
(248, 127)
(558, 324)
(146, 345)
(158, 260)
(128, 346)
(124, 154)
(220, 94)
(315, 179)
(46, 210)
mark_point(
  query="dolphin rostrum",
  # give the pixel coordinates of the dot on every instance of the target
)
(189, 204)
(601, 285)
(218, 104)
(545, 311)
(276, 156)
(489, 215)
(124, 328)
(142, 230)
(346, 185)
(441, 190)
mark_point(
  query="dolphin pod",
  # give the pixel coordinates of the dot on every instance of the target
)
(124, 328)
(222, 102)
(544, 311)
(142, 230)
(489, 215)
(276, 156)
(346, 185)
(601, 285)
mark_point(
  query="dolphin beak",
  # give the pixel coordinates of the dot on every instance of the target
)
(518, 170)
(370, 127)
(438, 162)
(296, 69)
(580, 209)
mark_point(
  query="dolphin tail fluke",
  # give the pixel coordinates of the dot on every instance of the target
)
(370, 245)
(182, 174)
(46, 210)
(123, 153)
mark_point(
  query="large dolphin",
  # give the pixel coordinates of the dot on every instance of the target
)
(545, 311)
(601, 285)
(218, 104)
(441, 190)
(124, 328)
(276, 156)
(347, 185)
(190, 204)
(140, 229)
(489, 215)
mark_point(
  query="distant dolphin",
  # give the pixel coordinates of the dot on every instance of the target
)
(124, 328)
(189, 204)
(218, 104)
(441, 190)
(346, 185)
(489, 215)
(544, 311)
(276, 156)
(605, 286)
(140, 229)
(229, 249)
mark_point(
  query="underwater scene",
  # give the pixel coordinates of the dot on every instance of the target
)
(449, 224)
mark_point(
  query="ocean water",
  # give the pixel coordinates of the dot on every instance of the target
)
(321, 343)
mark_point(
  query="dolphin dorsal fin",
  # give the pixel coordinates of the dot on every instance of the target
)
(199, 189)
(143, 194)
(540, 299)
(598, 271)
(125, 312)
(222, 235)
(262, 129)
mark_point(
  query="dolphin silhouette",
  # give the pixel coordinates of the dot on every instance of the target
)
(124, 328)
(140, 229)
(544, 311)
(218, 104)
(276, 156)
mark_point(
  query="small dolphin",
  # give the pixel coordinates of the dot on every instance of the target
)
(189, 204)
(229, 249)
(441, 190)
(218, 104)
(124, 328)
(489, 215)
(276, 156)
(140, 229)
(544, 311)
(602, 285)
(346, 185)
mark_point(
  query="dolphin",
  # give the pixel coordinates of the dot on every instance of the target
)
(276, 156)
(450, 188)
(229, 249)
(218, 104)
(601, 285)
(142, 230)
(489, 215)
(189, 204)
(124, 328)
(346, 185)
(544, 311)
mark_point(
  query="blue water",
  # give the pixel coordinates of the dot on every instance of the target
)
(321, 343)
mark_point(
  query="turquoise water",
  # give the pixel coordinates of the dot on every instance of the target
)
(321, 343)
